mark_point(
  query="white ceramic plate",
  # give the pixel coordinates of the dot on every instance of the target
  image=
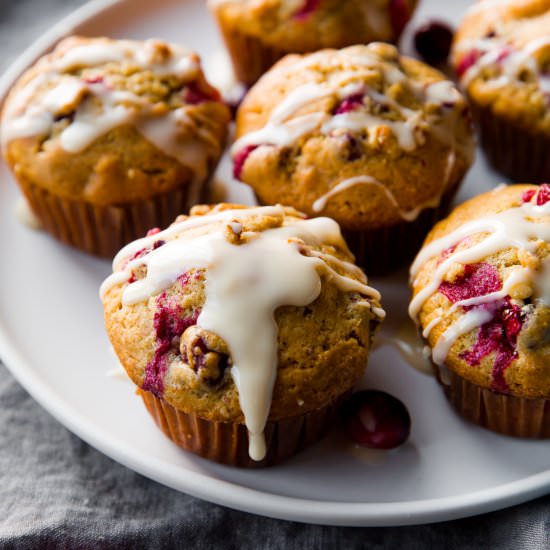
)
(52, 339)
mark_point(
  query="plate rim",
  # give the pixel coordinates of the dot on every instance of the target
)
(233, 495)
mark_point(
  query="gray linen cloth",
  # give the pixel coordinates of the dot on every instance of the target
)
(58, 492)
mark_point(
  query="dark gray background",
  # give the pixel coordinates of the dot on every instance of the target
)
(57, 492)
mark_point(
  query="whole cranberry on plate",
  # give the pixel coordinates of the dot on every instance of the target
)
(377, 420)
(433, 42)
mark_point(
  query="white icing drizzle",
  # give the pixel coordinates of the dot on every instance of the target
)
(408, 215)
(466, 323)
(516, 277)
(523, 227)
(98, 108)
(518, 59)
(511, 228)
(282, 129)
(244, 286)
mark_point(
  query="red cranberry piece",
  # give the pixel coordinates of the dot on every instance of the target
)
(503, 54)
(400, 13)
(498, 336)
(195, 95)
(377, 420)
(94, 80)
(307, 9)
(153, 231)
(349, 104)
(477, 280)
(528, 195)
(169, 322)
(467, 61)
(543, 195)
(240, 158)
(433, 42)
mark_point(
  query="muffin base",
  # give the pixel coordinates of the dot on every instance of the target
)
(512, 150)
(504, 414)
(103, 230)
(227, 443)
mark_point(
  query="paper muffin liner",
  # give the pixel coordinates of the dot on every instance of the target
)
(227, 443)
(520, 155)
(103, 230)
(505, 414)
(250, 57)
(379, 251)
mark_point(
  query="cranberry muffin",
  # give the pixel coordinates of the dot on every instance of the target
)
(107, 138)
(501, 54)
(259, 32)
(481, 287)
(243, 327)
(377, 141)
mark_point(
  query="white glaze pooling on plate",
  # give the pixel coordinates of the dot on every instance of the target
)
(97, 108)
(523, 227)
(245, 284)
(287, 123)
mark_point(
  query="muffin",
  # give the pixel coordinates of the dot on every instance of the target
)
(501, 54)
(109, 138)
(243, 327)
(377, 141)
(481, 288)
(259, 32)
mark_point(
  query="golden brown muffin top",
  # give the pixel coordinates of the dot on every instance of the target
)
(481, 290)
(309, 25)
(238, 314)
(502, 56)
(362, 134)
(93, 100)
